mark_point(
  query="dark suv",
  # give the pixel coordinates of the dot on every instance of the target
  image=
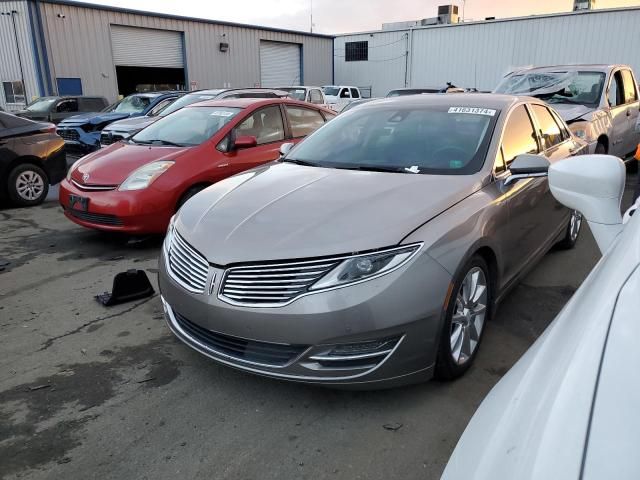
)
(56, 109)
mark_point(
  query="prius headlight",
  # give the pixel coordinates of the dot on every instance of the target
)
(145, 175)
(365, 267)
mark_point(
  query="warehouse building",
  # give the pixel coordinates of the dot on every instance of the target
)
(479, 54)
(60, 47)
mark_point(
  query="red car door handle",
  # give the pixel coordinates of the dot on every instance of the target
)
(628, 113)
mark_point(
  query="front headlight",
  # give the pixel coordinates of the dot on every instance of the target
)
(145, 175)
(169, 237)
(582, 130)
(366, 267)
(71, 169)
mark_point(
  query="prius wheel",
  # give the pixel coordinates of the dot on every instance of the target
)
(573, 231)
(468, 310)
(188, 194)
(28, 185)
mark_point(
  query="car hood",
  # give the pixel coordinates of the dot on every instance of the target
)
(286, 211)
(535, 422)
(130, 124)
(113, 164)
(571, 112)
(94, 118)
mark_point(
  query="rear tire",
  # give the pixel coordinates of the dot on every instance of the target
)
(27, 185)
(573, 231)
(468, 310)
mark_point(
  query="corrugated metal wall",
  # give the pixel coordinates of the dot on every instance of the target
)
(479, 54)
(79, 45)
(9, 66)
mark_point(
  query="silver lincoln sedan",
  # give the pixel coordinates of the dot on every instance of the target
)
(374, 252)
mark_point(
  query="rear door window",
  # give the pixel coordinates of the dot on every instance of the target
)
(519, 137)
(549, 129)
(91, 104)
(303, 121)
(265, 124)
(315, 96)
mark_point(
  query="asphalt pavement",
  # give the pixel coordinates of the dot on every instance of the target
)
(89, 392)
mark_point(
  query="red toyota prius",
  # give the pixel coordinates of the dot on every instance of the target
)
(136, 185)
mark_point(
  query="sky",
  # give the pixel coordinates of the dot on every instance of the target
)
(341, 16)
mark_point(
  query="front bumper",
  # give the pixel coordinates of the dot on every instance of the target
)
(135, 212)
(403, 309)
(78, 141)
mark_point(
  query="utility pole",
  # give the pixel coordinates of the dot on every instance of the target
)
(463, 5)
(311, 16)
(12, 14)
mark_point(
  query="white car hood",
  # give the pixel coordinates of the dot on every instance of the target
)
(570, 112)
(534, 423)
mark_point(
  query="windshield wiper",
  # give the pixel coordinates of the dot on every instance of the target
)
(373, 168)
(300, 162)
(162, 142)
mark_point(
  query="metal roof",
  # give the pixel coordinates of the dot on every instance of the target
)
(177, 17)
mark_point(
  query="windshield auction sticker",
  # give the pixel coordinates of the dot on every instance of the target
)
(473, 111)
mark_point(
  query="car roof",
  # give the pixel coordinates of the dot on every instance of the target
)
(478, 100)
(249, 102)
(599, 67)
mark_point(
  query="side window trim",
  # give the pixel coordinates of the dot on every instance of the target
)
(500, 151)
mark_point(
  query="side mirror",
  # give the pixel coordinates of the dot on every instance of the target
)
(527, 166)
(593, 185)
(245, 141)
(285, 148)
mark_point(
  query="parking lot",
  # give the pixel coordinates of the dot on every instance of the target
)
(94, 392)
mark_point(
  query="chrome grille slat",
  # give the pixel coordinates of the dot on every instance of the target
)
(179, 257)
(272, 285)
(186, 265)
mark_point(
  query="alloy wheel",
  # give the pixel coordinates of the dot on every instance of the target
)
(29, 185)
(469, 315)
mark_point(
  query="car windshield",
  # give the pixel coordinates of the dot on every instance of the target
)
(133, 104)
(430, 140)
(333, 91)
(579, 87)
(41, 105)
(188, 99)
(295, 93)
(414, 91)
(188, 127)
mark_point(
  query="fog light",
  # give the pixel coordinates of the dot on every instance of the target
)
(363, 348)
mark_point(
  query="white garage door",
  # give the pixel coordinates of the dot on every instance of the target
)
(279, 64)
(146, 47)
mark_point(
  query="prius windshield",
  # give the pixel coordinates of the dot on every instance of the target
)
(189, 99)
(429, 140)
(187, 128)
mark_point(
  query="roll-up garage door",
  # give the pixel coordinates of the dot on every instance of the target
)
(146, 47)
(279, 64)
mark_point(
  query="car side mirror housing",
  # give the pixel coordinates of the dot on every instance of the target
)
(592, 185)
(245, 141)
(285, 148)
(527, 166)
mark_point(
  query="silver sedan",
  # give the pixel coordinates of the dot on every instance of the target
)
(373, 253)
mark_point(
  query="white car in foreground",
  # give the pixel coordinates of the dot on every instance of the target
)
(569, 408)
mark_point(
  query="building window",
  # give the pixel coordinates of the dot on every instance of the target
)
(356, 51)
(13, 92)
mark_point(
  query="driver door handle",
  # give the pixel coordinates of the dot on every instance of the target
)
(628, 112)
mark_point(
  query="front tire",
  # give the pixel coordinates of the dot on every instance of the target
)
(573, 231)
(188, 194)
(468, 310)
(28, 185)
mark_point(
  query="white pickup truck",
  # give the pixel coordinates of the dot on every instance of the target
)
(598, 102)
(338, 96)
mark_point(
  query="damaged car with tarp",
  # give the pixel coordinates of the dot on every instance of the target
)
(598, 102)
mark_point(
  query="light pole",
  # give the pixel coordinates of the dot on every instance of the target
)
(12, 14)
(311, 16)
